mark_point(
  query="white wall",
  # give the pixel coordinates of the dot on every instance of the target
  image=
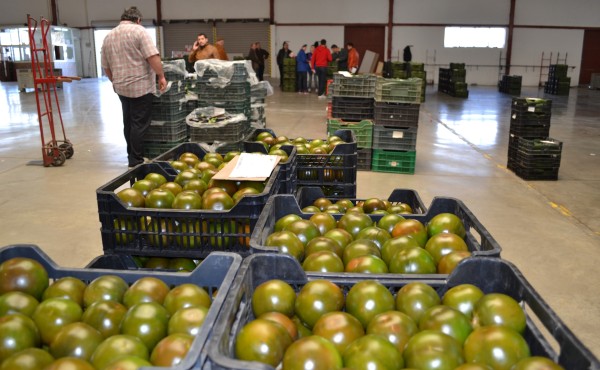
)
(228, 9)
(528, 45)
(455, 11)
(577, 13)
(331, 11)
(74, 13)
(16, 12)
(429, 41)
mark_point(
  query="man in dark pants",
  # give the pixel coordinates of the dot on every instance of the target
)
(319, 61)
(131, 62)
(262, 56)
(407, 57)
(283, 53)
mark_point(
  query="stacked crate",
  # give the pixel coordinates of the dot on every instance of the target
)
(452, 81)
(558, 83)
(418, 71)
(168, 128)
(233, 95)
(332, 68)
(397, 105)
(532, 155)
(352, 108)
(289, 75)
(510, 85)
(258, 95)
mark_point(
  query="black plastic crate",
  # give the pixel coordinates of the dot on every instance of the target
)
(479, 241)
(159, 232)
(174, 153)
(216, 275)
(307, 195)
(163, 131)
(333, 192)
(397, 114)
(525, 119)
(533, 173)
(171, 112)
(539, 146)
(363, 159)
(530, 131)
(531, 105)
(536, 160)
(154, 149)
(395, 138)
(232, 107)
(457, 66)
(233, 91)
(352, 109)
(335, 168)
(491, 275)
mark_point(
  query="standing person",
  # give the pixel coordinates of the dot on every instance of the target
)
(319, 61)
(262, 56)
(407, 57)
(302, 68)
(342, 59)
(312, 78)
(335, 52)
(352, 58)
(283, 53)
(132, 63)
(253, 57)
(220, 46)
(202, 49)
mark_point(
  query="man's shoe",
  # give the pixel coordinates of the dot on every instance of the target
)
(322, 97)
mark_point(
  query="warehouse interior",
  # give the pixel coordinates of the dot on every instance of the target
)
(550, 230)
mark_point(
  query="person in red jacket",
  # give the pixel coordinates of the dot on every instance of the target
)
(319, 61)
(352, 58)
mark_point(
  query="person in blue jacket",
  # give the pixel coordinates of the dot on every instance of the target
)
(302, 68)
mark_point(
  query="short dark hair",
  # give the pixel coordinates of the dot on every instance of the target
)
(316, 44)
(334, 46)
(131, 14)
(350, 44)
(202, 34)
(323, 42)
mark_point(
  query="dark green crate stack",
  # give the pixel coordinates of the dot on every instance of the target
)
(258, 96)
(532, 155)
(418, 71)
(352, 108)
(289, 75)
(397, 106)
(452, 81)
(510, 85)
(168, 128)
(558, 83)
(234, 97)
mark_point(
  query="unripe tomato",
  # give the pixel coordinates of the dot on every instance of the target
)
(273, 295)
(317, 298)
(498, 346)
(366, 299)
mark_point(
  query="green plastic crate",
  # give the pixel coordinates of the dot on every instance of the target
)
(363, 130)
(393, 161)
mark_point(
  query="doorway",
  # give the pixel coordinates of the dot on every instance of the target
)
(590, 56)
(366, 38)
(99, 36)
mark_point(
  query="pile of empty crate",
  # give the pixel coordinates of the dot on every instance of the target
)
(452, 81)
(383, 113)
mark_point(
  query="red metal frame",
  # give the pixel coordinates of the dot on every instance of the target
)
(54, 152)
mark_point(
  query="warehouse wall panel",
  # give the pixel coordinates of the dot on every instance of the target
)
(528, 45)
(74, 13)
(452, 12)
(16, 13)
(210, 9)
(331, 11)
(579, 13)
(112, 9)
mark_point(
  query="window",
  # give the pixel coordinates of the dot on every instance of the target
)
(474, 37)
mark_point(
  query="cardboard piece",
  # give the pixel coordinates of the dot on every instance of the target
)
(369, 62)
(248, 167)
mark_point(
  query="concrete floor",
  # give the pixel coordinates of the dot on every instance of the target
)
(549, 229)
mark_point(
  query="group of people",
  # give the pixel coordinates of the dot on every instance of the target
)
(311, 66)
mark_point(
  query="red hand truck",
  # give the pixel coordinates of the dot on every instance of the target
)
(54, 152)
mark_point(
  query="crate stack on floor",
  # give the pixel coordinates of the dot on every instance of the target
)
(510, 85)
(352, 108)
(558, 83)
(532, 154)
(289, 75)
(397, 105)
(417, 70)
(258, 95)
(452, 81)
(168, 128)
(223, 85)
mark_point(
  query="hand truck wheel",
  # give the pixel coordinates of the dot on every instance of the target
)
(67, 148)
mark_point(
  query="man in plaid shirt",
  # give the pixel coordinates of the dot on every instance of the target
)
(131, 62)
